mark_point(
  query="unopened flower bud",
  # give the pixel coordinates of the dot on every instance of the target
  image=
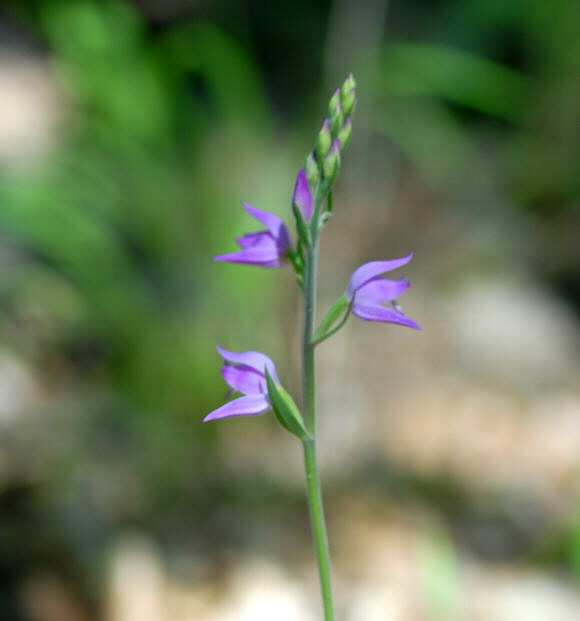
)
(302, 197)
(349, 102)
(331, 166)
(324, 140)
(333, 103)
(311, 168)
(345, 134)
(347, 86)
(336, 120)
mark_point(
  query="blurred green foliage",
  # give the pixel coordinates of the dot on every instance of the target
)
(492, 72)
(108, 292)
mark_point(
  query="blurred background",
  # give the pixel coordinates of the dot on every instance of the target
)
(130, 133)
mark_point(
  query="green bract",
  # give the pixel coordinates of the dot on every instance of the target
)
(285, 409)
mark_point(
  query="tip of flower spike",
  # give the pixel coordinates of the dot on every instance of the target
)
(349, 101)
(348, 85)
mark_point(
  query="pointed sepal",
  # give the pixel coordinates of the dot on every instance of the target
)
(348, 95)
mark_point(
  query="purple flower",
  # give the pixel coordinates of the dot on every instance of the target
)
(265, 248)
(302, 196)
(368, 292)
(245, 373)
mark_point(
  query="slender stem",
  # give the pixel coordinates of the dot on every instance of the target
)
(313, 487)
(318, 525)
(308, 362)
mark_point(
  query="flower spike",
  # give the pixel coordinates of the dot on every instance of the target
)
(369, 296)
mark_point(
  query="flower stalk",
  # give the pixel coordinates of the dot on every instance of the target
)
(313, 485)
(254, 375)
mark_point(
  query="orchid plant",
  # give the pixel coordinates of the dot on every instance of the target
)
(368, 296)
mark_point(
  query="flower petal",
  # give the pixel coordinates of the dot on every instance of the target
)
(380, 290)
(373, 269)
(256, 239)
(302, 196)
(376, 312)
(245, 379)
(254, 359)
(264, 254)
(251, 405)
(274, 224)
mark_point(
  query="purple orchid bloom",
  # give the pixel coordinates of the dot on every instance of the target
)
(302, 196)
(265, 248)
(245, 373)
(368, 292)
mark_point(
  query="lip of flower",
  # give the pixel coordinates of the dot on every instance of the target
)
(245, 373)
(265, 248)
(368, 293)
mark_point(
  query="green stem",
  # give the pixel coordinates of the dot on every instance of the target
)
(313, 487)
(308, 363)
(318, 525)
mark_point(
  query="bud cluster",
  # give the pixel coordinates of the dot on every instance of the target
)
(323, 163)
